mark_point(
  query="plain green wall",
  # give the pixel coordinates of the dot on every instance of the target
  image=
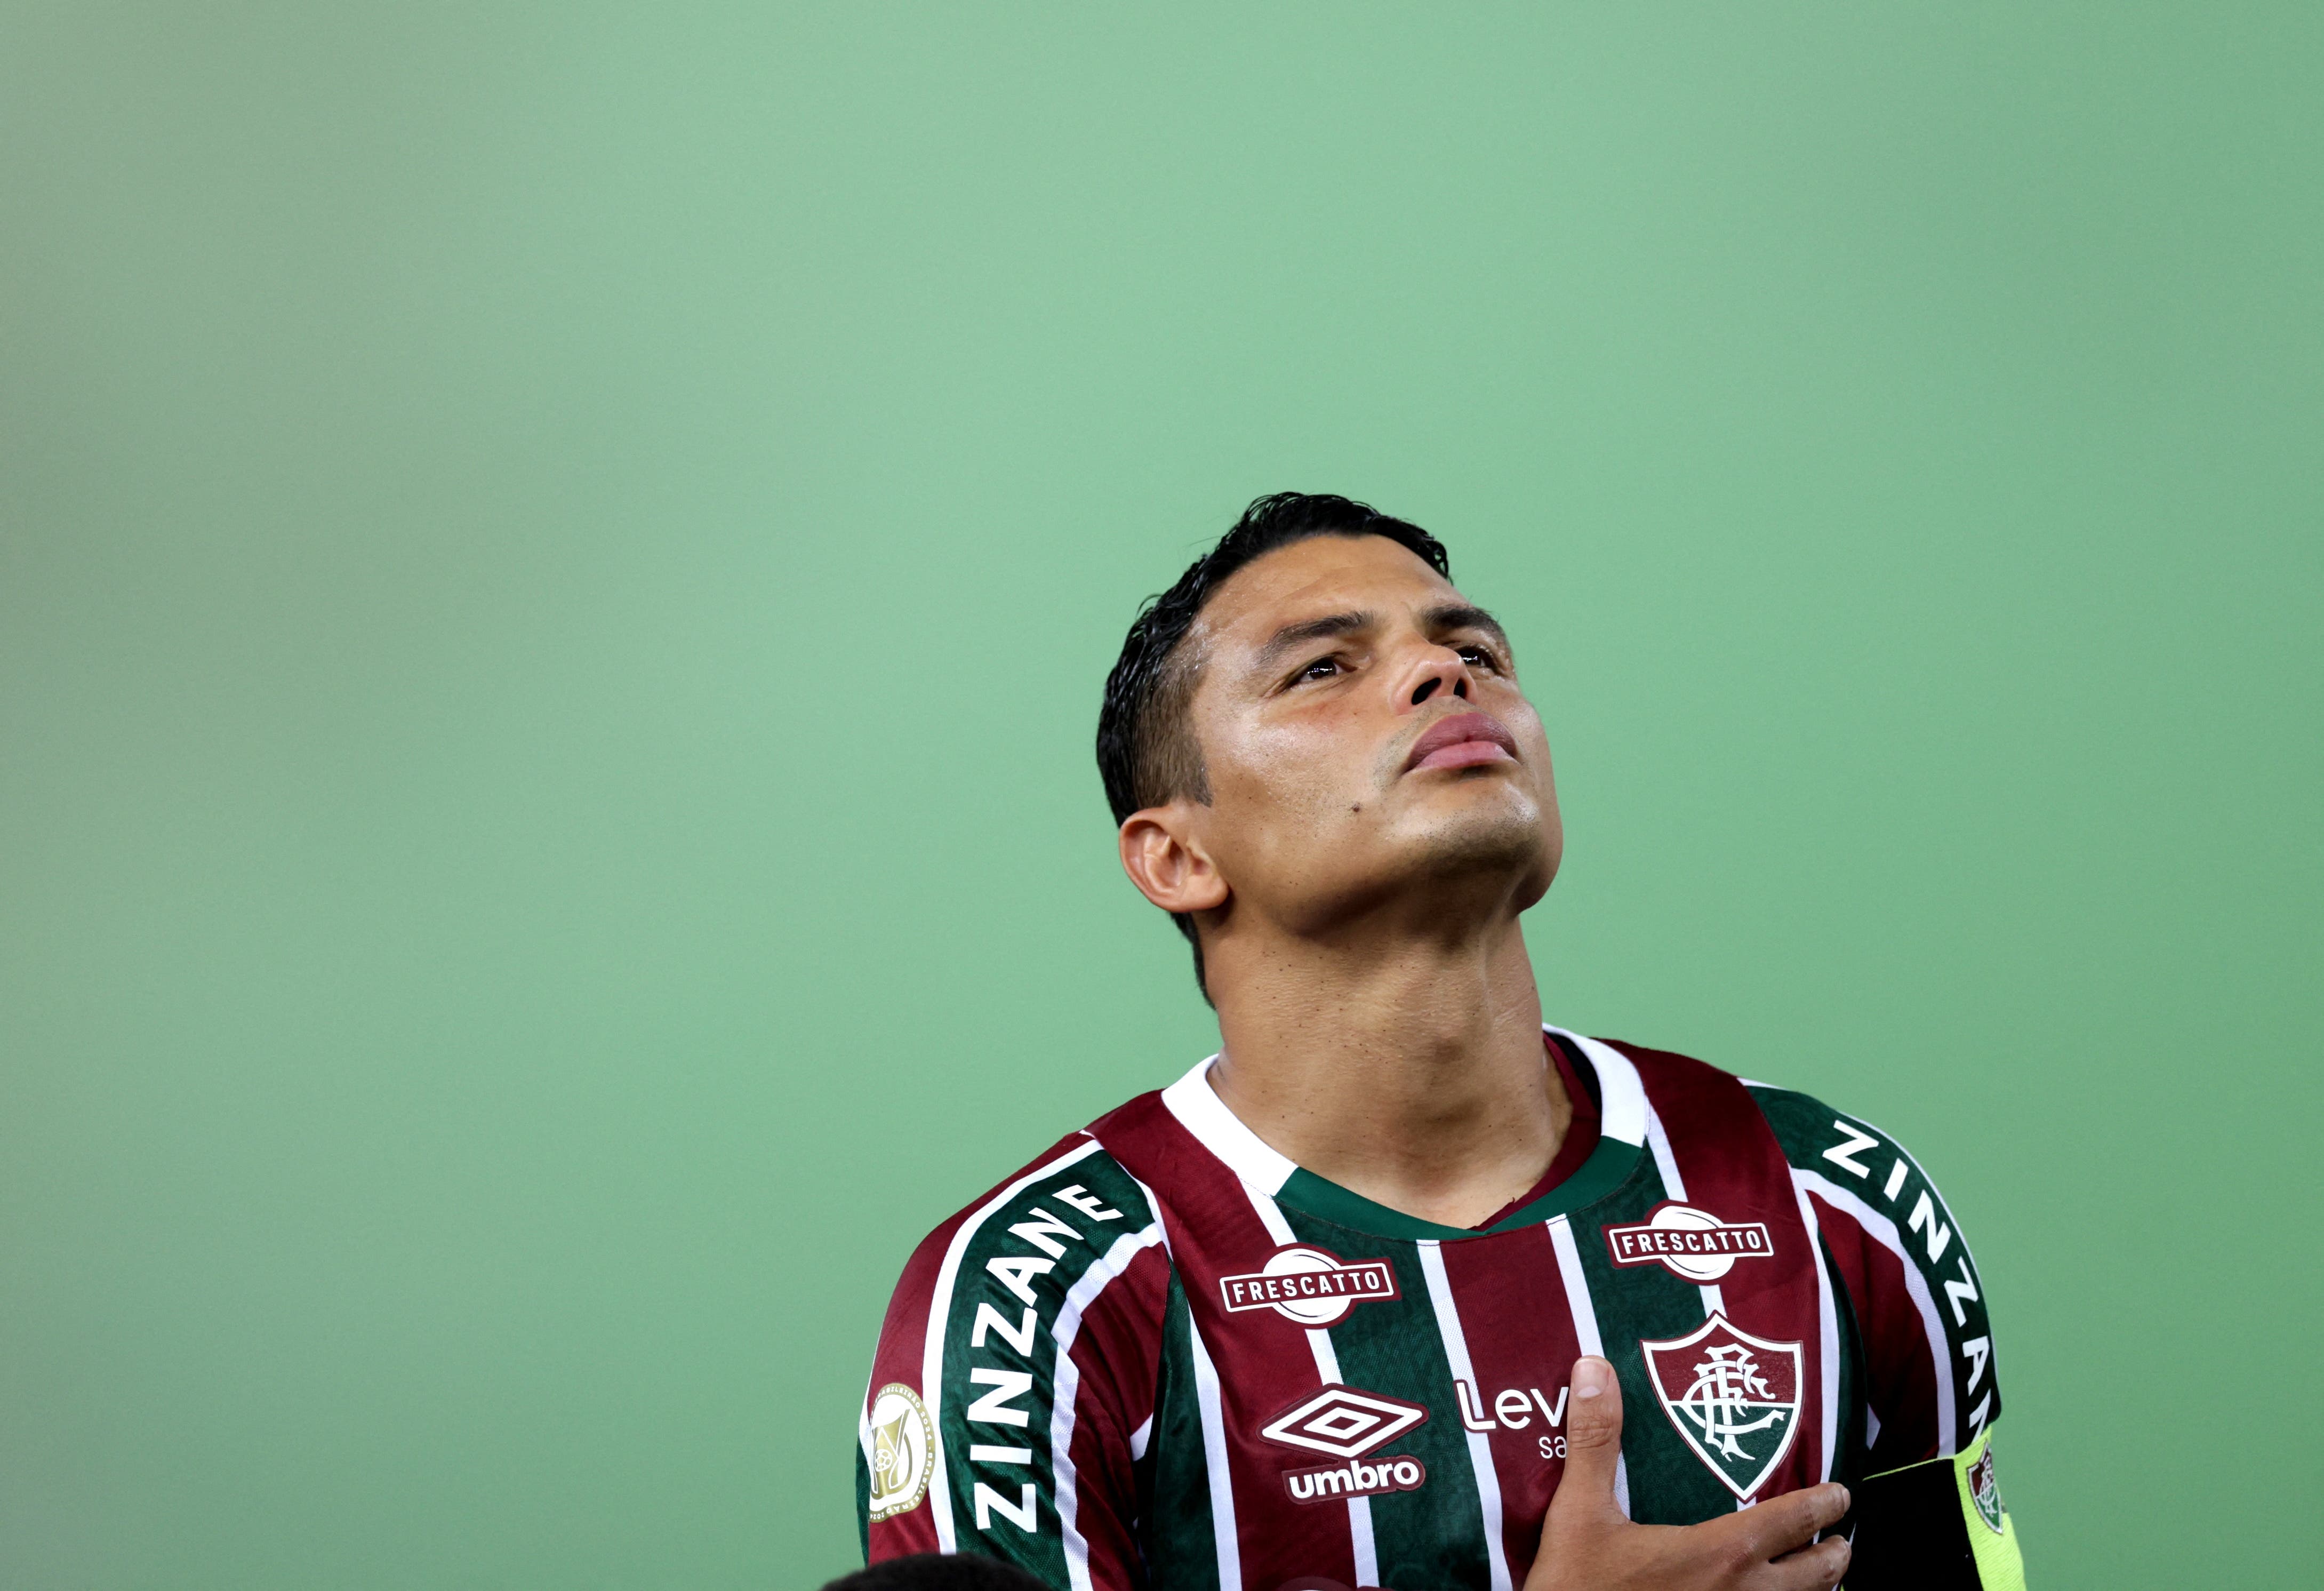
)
(556, 564)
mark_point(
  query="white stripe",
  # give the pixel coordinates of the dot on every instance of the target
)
(1067, 1385)
(1144, 1434)
(1153, 1208)
(1929, 1182)
(1828, 1320)
(939, 1316)
(1714, 1302)
(863, 1420)
(1203, 1112)
(1224, 1541)
(1925, 1178)
(1585, 1328)
(1480, 1446)
(1327, 1368)
(1883, 1231)
(1622, 1113)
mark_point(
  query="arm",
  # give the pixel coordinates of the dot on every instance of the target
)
(1014, 1372)
(1928, 1512)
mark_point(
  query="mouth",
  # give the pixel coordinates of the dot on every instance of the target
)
(1464, 740)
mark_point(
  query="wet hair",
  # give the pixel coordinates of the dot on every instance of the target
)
(1146, 752)
(929, 1571)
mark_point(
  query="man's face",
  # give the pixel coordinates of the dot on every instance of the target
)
(1364, 737)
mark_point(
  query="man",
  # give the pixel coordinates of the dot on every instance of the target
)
(1405, 1287)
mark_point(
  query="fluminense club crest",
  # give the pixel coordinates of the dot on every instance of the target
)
(1984, 1491)
(1734, 1397)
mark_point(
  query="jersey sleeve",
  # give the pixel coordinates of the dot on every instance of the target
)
(1927, 1510)
(1012, 1394)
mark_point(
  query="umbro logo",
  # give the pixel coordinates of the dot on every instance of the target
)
(1343, 1422)
(1690, 1243)
(1348, 1424)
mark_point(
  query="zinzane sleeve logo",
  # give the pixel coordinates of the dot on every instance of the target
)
(1873, 1170)
(1008, 1380)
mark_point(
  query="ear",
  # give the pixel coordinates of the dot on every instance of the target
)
(1165, 859)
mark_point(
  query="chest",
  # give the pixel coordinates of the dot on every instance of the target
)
(1398, 1408)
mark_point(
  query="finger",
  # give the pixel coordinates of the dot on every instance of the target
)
(1793, 1520)
(1593, 1432)
(1811, 1568)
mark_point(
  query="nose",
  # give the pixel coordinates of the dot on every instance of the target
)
(1438, 671)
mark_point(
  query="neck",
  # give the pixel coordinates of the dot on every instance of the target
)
(1410, 1071)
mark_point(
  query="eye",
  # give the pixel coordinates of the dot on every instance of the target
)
(1476, 656)
(1322, 668)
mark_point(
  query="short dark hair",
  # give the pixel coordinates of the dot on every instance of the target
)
(928, 1571)
(1146, 752)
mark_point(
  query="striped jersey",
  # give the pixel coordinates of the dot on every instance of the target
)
(1163, 1355)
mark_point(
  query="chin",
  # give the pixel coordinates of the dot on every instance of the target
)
(1507, 843)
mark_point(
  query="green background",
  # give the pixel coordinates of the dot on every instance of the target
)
(555, 565)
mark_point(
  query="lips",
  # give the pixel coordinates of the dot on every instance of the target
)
(1464, 740)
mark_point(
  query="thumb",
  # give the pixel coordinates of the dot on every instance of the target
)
(1593, 1433)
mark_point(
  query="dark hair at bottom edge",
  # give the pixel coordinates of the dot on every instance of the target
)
(939, 1571)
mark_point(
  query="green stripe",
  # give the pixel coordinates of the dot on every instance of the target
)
(1433, 1537)
(1180, 1545)
(1802, 1123)
(1040, 1550)
(1850, 1453)
(862, 1502)
(1669, 1485)
(1808, 1128)
(1608, 1165)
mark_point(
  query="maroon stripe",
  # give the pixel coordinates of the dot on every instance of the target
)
(1728, 1158)
(903, 1347)
(903, 1339)
(1118, 1354)
(1263, 1360)
(1519, 1327)
(1900, 1381)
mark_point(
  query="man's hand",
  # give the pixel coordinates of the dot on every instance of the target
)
(1587, 1544)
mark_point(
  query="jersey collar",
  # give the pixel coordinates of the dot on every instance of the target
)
(1622, 1130)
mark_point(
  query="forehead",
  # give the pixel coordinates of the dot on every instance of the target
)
(1311, 578)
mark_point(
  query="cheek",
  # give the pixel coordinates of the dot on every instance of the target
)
(1289, 774)
(1525, 724)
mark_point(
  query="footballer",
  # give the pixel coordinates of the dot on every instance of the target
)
(1406, 1287)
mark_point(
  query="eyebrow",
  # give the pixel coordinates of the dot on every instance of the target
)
(1293, 636)
(1450, 616)
(1461, 616)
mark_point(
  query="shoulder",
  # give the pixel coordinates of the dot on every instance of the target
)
(1073, 1202)
(1834, 1153)
(1847, 1165)
(1906, 1266)
(1814, 1135)
(1075, 1185)
(1025, 1327)
(1862, 1172)
(1669, 1081)
(1867, 1188)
